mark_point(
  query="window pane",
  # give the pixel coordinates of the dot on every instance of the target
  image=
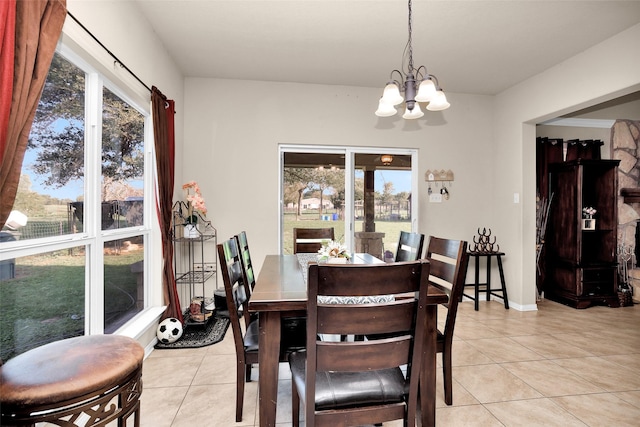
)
(122, 163)
(52, 174)
(123, 281)
(41, 300)
(382, 201)
(313, 186)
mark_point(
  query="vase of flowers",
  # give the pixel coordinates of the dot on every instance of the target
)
(333, 252)
(196, 208)
(588, 222)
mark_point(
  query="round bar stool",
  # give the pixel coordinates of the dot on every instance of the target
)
(91, 379)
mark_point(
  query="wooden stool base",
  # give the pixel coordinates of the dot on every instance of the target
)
(485, 287)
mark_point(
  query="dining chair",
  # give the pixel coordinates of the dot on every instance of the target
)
(245, 329)
(449, 260)
(409, 246)
(310, 239)
(409, 249)
(248, 277)
(249, 280)
(245, 258)
(347, 383)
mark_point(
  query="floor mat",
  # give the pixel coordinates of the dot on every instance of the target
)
(200, 336)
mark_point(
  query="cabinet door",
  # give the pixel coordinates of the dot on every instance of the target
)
(563, 233)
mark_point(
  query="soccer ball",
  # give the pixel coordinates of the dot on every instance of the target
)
(169, 330)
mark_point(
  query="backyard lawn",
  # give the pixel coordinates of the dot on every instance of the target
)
(390, 228)
(45, 301)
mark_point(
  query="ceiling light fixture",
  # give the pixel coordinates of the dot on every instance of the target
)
(386, 159)
(417, 85)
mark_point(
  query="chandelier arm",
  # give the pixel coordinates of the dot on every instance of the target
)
(399, 81)
(422, 73)
(435, 80)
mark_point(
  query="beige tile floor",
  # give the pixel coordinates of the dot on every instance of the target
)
(554, 367)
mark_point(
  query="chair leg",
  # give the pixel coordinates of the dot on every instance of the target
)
(447, 377)
(240, 375)
(295, 405)
(248, 372)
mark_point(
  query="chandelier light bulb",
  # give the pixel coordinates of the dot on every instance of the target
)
(426, 90)
(385, 110)
(438, 102)
(391, 94)
(415, 113)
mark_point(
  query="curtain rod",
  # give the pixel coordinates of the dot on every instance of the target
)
(108, 51)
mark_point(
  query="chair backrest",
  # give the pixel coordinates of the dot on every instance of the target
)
(235, 291)
(248, 276)
(409, 246)
(310, 239)
(449, 260)
(400, 321)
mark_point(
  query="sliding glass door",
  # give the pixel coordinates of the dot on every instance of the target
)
(363, 193)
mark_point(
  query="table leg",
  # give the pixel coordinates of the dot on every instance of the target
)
(428, 371)
(268, 367)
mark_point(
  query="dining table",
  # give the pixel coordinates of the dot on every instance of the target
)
(281, 292)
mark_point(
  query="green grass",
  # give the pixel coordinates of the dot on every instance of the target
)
(390, 228)
(45, 301)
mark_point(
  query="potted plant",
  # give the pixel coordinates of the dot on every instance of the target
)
(196, 204)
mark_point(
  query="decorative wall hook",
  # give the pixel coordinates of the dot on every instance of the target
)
(438, 175)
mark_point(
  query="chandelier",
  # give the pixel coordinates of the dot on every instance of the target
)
(417, 85)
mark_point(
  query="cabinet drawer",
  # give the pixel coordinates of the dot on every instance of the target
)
(596, 289)
(598, 275)
(597, 282)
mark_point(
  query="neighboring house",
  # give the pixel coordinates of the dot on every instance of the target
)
(314, 203)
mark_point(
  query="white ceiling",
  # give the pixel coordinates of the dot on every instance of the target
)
(478, 47)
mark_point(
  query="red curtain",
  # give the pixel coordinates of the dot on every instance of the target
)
(38, 24)
(164, 134)
(7, 40)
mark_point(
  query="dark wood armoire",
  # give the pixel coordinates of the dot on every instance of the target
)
(580, 258)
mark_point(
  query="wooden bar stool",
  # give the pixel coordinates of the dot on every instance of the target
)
(91, 380)
(486, 287)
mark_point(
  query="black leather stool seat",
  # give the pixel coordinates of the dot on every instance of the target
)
(71, 377)
(335, 390)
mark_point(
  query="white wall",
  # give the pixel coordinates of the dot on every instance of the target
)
(233, 128)
(603, 72)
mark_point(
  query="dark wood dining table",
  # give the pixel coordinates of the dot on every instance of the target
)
(281, 291)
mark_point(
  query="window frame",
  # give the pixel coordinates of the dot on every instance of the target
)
(349, 152)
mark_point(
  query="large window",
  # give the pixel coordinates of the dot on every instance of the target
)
(72, 254)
